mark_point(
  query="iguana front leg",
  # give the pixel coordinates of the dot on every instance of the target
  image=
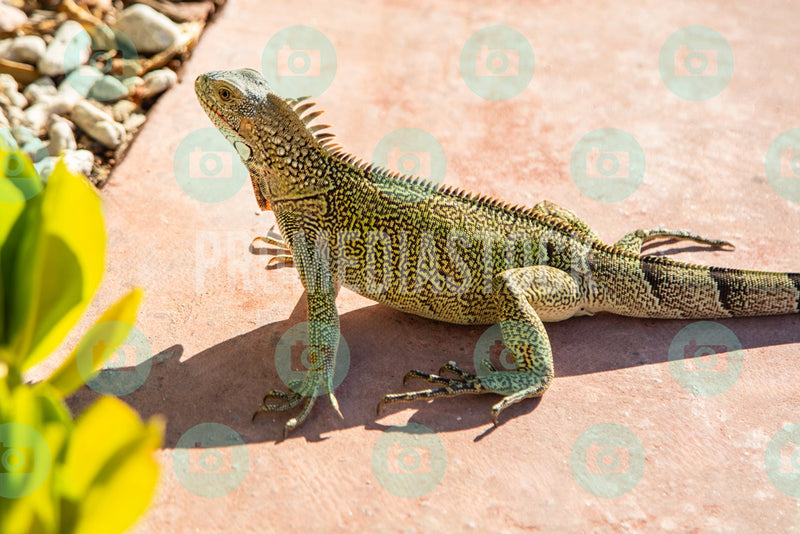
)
(323, 333)
(279, 244)
(518, 295)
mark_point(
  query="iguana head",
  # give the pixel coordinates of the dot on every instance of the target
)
(284, 157)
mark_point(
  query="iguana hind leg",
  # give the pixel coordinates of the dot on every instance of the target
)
(567, 216)
(518, 294)
(633, 241)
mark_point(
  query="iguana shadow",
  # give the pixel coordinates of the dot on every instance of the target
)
(225, 383)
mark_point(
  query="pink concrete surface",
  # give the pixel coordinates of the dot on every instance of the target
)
(213, 313)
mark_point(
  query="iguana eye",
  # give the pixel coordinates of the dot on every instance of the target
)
(225, 94)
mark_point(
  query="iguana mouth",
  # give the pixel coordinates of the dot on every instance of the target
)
(208, 106)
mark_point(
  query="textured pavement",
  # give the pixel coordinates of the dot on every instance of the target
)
(214, 315)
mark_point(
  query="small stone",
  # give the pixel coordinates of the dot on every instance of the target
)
(106, 89)
(79, 161)
(158, 81)
(3, 120)
(62, 54)
(11, 18)
(5, 46)
(42, 88)
(132, 82)
(98, 124)
(10, 88)
(78, 83)
(150, 31)
(36, 117)
(134, 122)
(122, 110)
(61, 136)
(26, 49)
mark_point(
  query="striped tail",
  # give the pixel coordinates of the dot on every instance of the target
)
(661, 288)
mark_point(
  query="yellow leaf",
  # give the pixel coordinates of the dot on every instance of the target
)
(110, 471)
(67, 378)
(58, 268)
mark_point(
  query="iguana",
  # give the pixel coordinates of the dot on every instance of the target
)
(450, 255)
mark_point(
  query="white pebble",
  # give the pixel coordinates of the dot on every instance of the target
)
(107, 88)
(61, 137)
(40, 89)
(56, 59)
(26, 49)
(150, 31)
(98, 124)
(11, 18)
(10, 88)
(79, 161)
(158, 81)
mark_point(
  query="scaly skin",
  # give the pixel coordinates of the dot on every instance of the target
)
(450, 255)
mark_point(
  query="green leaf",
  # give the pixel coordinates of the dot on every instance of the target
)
(120, 318)
(57, 268)
(110, 472)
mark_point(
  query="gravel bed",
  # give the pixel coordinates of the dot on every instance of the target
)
(77, 77)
